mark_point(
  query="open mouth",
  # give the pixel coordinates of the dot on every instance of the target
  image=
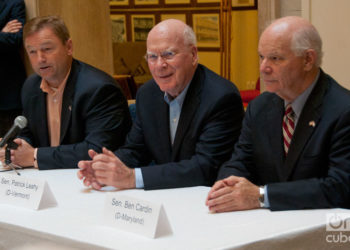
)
(44, 68)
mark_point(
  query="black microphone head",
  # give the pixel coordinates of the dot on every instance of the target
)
(21, 122)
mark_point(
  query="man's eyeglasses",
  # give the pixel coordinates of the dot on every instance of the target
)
(165, 55)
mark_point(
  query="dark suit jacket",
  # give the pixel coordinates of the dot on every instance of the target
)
(316, 171)
(209, 125)
(11, 66)
(94, 114)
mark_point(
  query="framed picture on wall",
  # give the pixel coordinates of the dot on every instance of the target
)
(177, 1)
(243, 3)
(118, 2)
(118, 28)
(206, 27)
(181, 17)
(143, 2)
(141, 25)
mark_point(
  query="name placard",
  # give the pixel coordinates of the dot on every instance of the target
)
(135, 215)
(25, 192)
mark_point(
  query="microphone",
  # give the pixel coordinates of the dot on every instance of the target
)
(19, 123)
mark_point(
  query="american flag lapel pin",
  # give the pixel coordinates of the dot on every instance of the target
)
(312, 124)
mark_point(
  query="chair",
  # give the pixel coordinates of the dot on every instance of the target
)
(127, 84)
(248, 95)
(132, 109)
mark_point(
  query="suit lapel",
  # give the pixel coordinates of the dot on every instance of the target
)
(273, 127)
(303, 131)
(189, 107)
(67, 100)
(2, 19)
(162, 121)
(39, 113)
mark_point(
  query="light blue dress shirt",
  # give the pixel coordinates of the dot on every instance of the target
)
(297, 106)
(175, 106)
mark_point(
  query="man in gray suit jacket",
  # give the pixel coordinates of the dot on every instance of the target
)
(305, 164)
(187, 121)
(70, 106)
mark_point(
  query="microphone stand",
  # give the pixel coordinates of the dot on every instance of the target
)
(10, 145)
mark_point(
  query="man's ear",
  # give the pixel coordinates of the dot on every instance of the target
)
(194, 52)
(310, 59)
(69, 45)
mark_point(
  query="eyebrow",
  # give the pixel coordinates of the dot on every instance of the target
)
(167, 49)
(46, 43)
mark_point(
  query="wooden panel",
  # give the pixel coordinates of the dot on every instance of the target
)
(89, 24)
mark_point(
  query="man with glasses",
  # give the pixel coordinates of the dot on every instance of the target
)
(187, 121)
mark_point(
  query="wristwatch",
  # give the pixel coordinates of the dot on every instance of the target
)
(262, 196)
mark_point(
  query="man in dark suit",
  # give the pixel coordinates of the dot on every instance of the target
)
(187, 121)
(70, 106)
(305, 164)
(12, 17)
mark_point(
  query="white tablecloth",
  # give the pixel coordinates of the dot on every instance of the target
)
(77, 221)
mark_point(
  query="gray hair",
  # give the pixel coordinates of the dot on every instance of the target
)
(189, 36)
(307, 38)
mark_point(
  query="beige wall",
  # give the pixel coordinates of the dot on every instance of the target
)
(290, 8)
(332, 19)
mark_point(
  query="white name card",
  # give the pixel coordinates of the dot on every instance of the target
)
(25, 192)
(135, 215)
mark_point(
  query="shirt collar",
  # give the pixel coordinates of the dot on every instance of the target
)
(179, 99)
(45, 87)
(300, 101)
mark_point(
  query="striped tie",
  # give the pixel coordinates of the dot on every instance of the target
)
(288, 127)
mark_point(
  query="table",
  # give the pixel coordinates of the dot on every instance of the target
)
(77, 222)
